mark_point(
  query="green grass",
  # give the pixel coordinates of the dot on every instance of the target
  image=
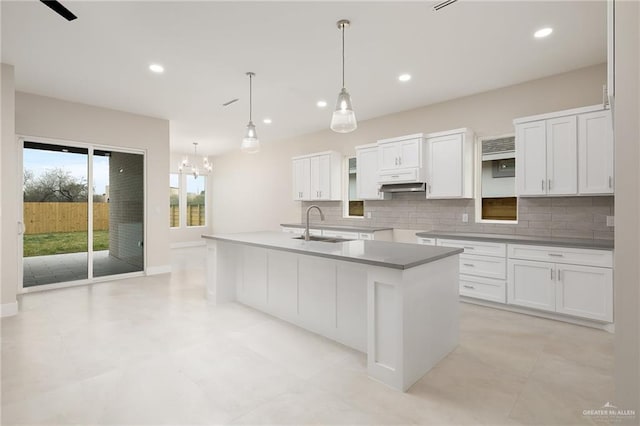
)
(63, 242)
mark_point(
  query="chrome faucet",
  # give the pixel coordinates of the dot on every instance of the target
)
(306, 232)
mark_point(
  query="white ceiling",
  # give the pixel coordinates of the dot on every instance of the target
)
(102, 58)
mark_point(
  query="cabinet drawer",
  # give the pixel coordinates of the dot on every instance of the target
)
(398, 176)
(427, 241)
(476, 247)
(340, 234)
(483, 288)
(576, 256)
(483, 266)
(366, 236)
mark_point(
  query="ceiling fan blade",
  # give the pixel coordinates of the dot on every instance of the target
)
(57, 7)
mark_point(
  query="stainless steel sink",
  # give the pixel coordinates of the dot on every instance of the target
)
(323, 239)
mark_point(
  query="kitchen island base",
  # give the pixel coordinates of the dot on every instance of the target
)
(405, 320)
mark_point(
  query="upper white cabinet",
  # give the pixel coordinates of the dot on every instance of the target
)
(595, 153)
(367, 186)
(565, 153)
(402, 159)
(450, 164)
(317, 176)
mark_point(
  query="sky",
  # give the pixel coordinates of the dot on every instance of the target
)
(39, 161)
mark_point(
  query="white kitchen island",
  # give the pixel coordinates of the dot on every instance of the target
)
(396, 302)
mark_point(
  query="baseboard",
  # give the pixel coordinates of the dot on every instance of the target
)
(8, 309)
(156, 270)
(548, 315)
(187, 244)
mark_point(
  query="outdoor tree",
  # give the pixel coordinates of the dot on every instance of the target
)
(54, 185)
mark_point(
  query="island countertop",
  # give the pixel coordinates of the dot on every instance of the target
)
(377, 253)
(521, 239)
(346, 228)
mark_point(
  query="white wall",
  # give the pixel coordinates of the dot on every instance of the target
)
(627, 207)
(254, 192)
(8, 206)
(191, 235)
(46, 117)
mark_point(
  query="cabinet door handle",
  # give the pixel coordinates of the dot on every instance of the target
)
(551, 274)
(400, 160)
(396, 161)
(559, 276)
(468, 286)
(320, 194)
(471, 265)
(556, 254)
(429, 188)
(610, 182)
(542, 184)
(549, 186)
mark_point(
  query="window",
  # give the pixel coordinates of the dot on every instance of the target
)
(196, 194)
(174, 200)
(353, 207)
(497, 186)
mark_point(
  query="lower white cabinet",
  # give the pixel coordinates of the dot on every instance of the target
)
(577, 290)
(585, 291)
(532, 284)
(569, 281)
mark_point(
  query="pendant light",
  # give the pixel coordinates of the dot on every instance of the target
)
(195, 170)
(344, 118)
(250, 142)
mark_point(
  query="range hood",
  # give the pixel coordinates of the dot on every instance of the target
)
(404, 187)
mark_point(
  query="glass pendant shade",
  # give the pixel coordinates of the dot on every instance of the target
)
(250, 142)
(344, 118)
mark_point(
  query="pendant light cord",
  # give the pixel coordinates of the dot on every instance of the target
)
(250, 96)
(342, 55)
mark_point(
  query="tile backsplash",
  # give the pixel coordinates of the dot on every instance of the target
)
(574, 217)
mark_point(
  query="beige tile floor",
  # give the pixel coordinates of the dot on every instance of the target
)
(151, 351)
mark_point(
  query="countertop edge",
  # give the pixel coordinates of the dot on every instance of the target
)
(337, 257)
(515, 239)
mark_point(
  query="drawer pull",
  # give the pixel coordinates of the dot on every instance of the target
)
(395, 176)
(556, 255)
(468, 286)
(469, 248)
(471, 265)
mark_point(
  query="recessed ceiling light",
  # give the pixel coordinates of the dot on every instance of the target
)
(404, 77)
(321, 104)
(157, 68)
(543, 32)
(267, 121)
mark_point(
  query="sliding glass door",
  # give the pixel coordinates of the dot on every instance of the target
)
(66, 238)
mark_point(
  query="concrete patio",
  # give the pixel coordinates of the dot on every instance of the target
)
(39, 270)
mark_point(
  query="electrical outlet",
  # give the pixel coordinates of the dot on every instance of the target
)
(368, 215)
(465, 217)
(610, 221)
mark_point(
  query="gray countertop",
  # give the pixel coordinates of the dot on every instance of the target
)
(346, 228)
(377, 253)
(522, 239)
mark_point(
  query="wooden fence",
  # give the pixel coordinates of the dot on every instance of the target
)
(45, 218)
(195, 215)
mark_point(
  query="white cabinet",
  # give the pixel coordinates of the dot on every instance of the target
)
(595, 153)
(565, 153)
(585, 291)
(532, 284)
(569, 285)
(562, 156)
(450, 164)
(547, 157)
(531, 158)
(367, 186)
(317, 176)
(301, 178)
(402, 159)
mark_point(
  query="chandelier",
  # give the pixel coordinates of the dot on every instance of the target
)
(186, 163)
